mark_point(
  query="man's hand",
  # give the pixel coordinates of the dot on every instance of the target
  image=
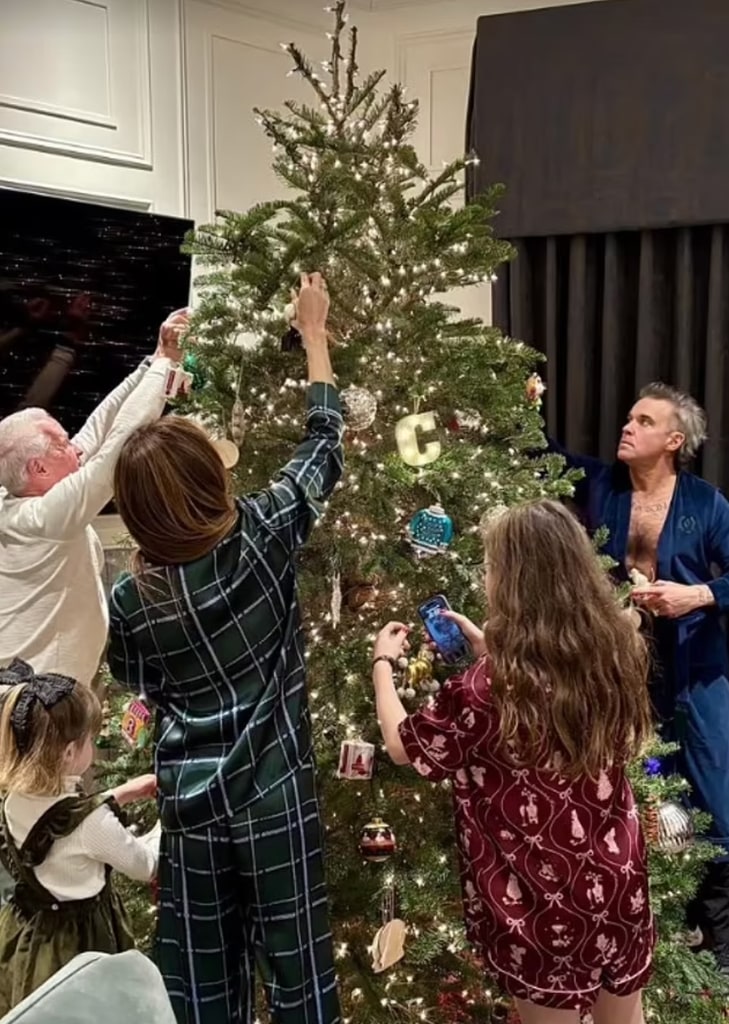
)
(672, 600)
(170, 334)
(312, 307)
(144, 787)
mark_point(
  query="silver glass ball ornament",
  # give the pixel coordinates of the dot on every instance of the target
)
(359, 406)
(675, 828)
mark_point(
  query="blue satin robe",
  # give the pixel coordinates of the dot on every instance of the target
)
(690, 689)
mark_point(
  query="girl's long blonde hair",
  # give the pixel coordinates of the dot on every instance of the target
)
(569, 670)
(39, 769)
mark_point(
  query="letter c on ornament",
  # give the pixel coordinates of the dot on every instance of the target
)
(407, 431)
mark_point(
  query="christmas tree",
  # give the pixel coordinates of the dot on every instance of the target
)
(444, 428)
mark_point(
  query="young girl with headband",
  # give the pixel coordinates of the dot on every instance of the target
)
(58, 844)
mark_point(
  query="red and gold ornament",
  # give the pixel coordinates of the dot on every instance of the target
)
(377, 841)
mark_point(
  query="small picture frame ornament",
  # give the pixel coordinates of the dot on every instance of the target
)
(135, 725)
(356, 760)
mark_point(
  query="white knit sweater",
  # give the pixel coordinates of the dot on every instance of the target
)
(75, 867)
(53, 610)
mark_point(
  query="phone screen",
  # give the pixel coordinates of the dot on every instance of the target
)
(445, 634)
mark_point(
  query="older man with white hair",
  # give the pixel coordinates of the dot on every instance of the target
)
(53, 610)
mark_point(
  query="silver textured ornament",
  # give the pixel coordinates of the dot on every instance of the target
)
(468, 419)
(360, 408)
(675, 828)
(237, 422)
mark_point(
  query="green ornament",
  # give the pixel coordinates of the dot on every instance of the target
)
(191, 364)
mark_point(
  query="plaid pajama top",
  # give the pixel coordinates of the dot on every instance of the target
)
(218, 645)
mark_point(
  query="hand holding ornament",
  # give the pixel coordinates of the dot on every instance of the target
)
(392, 641)
(170, 333)
(312, 308)
(144, 787)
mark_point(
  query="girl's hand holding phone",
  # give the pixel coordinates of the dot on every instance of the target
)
(472, 632)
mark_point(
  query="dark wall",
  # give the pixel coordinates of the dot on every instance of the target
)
(85, 287)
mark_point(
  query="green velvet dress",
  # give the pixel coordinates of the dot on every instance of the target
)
(38, 933)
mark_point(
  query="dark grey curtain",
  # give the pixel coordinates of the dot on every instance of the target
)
(614, 311)
(603, 116)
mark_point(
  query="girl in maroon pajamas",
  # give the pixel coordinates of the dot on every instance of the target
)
(534, 738)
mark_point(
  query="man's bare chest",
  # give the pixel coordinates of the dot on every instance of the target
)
(647, 519)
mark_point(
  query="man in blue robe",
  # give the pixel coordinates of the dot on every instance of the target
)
(673, 528)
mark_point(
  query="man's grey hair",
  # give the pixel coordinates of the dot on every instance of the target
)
(690, 417)
(20, 441)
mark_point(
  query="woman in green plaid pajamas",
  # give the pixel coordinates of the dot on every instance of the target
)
(207, 628)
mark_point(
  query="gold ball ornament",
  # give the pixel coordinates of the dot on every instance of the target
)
(359, 407)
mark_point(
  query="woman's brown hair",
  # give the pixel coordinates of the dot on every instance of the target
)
(569, 670)
(173, 493)
(38, 768)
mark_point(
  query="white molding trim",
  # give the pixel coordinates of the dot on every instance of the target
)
(145, 88)
(211, 157)
(263, 13)
(407, 40)
(389, 5)
(76, 150)
(183, 108)
(62, 113)
(142, 160)
(79, 195)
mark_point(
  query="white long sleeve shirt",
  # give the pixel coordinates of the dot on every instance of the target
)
(53, 611)
(75, 866)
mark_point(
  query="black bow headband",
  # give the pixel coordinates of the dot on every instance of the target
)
(47, 689)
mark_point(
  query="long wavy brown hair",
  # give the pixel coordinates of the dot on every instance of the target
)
(569, 670)
(173, 493)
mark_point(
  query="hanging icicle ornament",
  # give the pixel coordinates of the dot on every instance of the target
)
(430, 531)
(237, 422)
(388, 945)
(359, 407)
(336, 602)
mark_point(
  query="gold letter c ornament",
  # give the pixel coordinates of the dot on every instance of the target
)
(407, 431)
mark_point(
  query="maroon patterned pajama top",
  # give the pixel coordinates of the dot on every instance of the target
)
(553, 871)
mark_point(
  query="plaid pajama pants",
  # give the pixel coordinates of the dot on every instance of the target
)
(249, 892)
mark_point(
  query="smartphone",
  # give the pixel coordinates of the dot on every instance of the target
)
(445, 634)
